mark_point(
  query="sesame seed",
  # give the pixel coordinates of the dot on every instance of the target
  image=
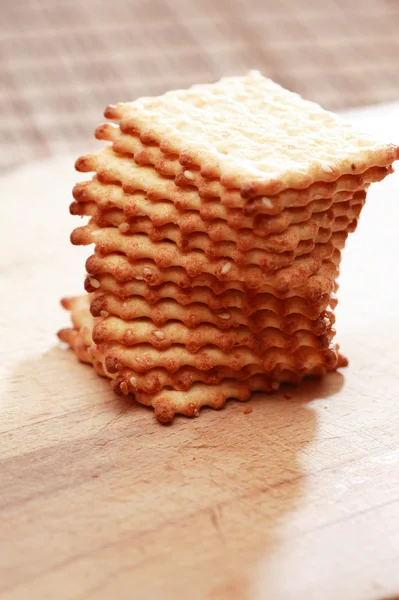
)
(267, 202)
(160, 335)
(133, 382)
(188, 175)
(226, 268)
(225, 316)
(146, 271)
(104, 313)
(139, 278)
(94, 282)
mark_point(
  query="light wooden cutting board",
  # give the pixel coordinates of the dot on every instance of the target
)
(297, 499)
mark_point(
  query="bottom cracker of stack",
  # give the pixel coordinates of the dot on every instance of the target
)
(183, 377)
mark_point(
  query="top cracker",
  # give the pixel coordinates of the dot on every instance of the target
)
(252, 134)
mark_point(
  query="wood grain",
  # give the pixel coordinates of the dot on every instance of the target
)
(297, 499)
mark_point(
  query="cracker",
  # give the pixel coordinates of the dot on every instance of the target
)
(251, 249)
(129, 381)
(318, 228)
(320, 283)
(140, 331)
(254, 135)
(138, 246)
(145, 270)
(79, 337)
(215, 231)
(168, 403)
(111, 167)
(79, 307)
(167, 310)
(113, 217)
(144, 357)
(278, 270)
(79, 341)
(170, 167)
(192, 315)
(161, 337)
(161, 212)
(248, 304)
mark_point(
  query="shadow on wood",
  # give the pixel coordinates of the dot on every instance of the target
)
(98, 498)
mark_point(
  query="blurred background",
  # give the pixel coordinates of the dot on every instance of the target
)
(63, 61)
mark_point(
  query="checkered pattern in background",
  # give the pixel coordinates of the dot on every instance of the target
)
(63, 61)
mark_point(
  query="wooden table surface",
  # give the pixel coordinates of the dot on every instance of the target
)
(297, 499)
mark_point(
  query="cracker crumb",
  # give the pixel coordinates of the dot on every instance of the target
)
(248, 410)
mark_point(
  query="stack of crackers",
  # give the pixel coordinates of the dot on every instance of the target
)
(218, 215)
